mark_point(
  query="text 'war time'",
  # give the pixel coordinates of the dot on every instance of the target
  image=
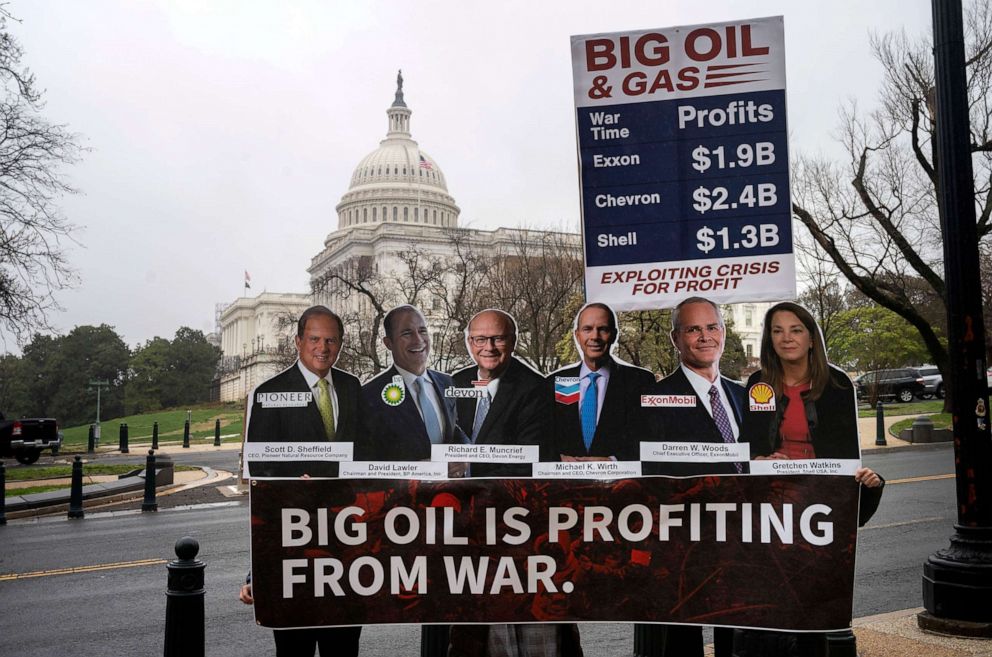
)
(436, 526)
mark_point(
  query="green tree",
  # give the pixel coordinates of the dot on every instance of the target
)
(60, 368)
(192, 362)
(873, 338)
(149, 363)
(13, 386)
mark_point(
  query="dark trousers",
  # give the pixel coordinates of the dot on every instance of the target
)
(332, 641)
(680, 641)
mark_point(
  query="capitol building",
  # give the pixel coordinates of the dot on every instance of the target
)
(396, 222)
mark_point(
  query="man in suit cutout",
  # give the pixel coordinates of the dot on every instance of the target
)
(517, 415)
(407, 411)
(604, 420)
(698, 333)
(512, 412)
(405, 406)
(327, 410)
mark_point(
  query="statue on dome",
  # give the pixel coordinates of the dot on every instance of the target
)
(398, 102)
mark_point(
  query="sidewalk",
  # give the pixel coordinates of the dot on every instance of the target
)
(896, 635)
(867, 430)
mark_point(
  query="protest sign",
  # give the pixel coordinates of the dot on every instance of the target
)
(758, 551)
(684, 164)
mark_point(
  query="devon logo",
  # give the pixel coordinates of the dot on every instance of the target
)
(393, 394)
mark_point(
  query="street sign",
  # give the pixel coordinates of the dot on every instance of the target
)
(684, 164)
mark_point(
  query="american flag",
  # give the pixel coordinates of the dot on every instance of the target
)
(247, 280)
(424, 164)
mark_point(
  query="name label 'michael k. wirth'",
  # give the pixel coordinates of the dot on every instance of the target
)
(287, 399)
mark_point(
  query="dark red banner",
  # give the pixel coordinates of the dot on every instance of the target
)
(758, 551)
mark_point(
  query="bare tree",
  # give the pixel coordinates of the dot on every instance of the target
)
(362, 296)
(534, 279)
(875, 216)
(33, 152)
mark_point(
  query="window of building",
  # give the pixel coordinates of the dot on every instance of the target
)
(395, 212)
(406, 216)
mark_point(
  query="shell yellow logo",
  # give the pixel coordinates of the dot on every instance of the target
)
(761, 393)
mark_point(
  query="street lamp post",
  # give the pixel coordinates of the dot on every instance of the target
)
(98, 384)
(957, 581)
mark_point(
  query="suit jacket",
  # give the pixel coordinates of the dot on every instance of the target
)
(690, 424)
(833, 429)
(303, 423)
(518, 415)
(620, 425)
(397, 433)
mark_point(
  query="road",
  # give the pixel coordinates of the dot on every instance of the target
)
(117, 606)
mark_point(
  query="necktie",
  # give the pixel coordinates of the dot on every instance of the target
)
(588, 411)
(326, 407)
(431, 421)
(722, 421)
(480, 413)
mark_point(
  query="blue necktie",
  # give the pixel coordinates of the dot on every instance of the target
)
(431, 421)
(588, 411)
(482, 409)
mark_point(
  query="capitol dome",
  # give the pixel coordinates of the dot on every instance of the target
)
(397, 182)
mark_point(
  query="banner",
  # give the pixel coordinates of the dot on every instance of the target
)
(684, 164)
(756, 551)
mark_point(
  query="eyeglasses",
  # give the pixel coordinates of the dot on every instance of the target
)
(483, 340)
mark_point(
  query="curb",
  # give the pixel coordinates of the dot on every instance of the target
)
(212, 477)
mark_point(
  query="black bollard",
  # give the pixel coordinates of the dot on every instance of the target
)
(184, 617)
(842, 644)
(91, 440)
(217, 432)
(186, 434)
(76, 491)
(149, 503)
(155, 436)
(880, 425)
(122, 440)
(3, 494)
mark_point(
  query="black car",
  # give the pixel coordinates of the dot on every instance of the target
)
(901, 384)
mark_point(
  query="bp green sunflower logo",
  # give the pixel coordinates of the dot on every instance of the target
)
(393, 394)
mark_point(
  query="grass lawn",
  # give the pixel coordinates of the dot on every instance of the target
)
(32, 473)
(912, 408)
(170, 426)
(940, 421)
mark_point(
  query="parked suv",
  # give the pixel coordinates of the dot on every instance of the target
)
(933, 382)
(902, 384)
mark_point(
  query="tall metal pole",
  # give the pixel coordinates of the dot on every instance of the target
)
(957, 581)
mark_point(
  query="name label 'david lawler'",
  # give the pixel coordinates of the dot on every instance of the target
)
(393, 470)
(289, 399)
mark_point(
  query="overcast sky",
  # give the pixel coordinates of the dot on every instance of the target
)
(222, 134)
